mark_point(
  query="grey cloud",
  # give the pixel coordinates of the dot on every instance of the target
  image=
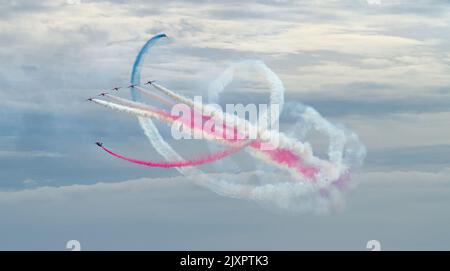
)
(29, 154)
(414, 158)
(151, 208)
(11, 8)
(331, 105)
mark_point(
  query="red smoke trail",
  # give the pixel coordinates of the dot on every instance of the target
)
(186, 163)
(280, 156)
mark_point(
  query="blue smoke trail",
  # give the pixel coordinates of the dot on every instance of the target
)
(150, 130)
(136, 72)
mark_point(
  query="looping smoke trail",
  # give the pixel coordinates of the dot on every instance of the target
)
(344, 145)
(276, 87)
(283, 188)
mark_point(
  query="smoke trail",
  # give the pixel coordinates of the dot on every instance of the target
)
(279, 189)
(160, 115)
(187, 163)
(136, 72)
(155, 96)
(279, 157)
(218, 85)
(173, 95)
(276, 98)
(150, 130)
(276, 95)
(291, 153)
(131, 103)
(276, 86)
(210, 111)
(144, 111)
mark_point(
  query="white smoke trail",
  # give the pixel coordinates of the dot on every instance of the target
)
(330, 171)
(130, 103)
(278, 189)
(217, 114)
(344, 149)
(276, 87)
(134, 111)
(155, 96)
(141, 110)
(210, 111)
(173, 95)
(145, 111)
(338, 136)
(285, 193)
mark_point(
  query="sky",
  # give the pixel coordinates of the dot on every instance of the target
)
(380, 68)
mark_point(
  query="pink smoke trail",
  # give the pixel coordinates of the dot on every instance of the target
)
(186, 163)
(280, 156)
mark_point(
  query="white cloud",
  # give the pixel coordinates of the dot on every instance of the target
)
(78, 37)
(270, 189)
(63, 193)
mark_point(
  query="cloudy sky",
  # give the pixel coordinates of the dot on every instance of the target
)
(382, 69)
